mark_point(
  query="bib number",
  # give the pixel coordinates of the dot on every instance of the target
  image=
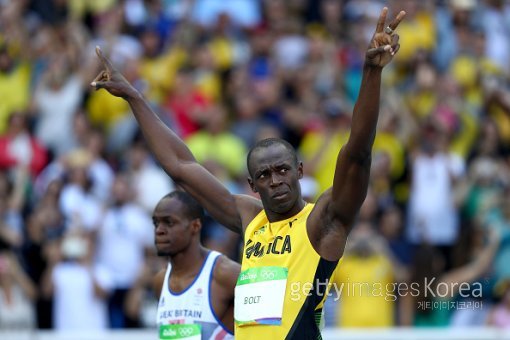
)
(259, 296)
(180, 331)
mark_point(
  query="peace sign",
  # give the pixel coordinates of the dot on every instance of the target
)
(111, 79)
(384, 44)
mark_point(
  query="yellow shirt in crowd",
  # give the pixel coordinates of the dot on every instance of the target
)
(367, 295)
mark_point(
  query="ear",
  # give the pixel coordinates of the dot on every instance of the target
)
(300, 170)
(252, 186)
(196, 226)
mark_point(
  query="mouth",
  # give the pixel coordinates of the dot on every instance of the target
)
(280, 195)
(162, 243)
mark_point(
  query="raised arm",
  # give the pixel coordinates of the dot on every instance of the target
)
(174, 156)
(353, 165)
(338, 207)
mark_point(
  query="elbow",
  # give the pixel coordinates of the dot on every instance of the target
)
(173, 168)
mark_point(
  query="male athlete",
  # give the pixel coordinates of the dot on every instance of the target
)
(196, 290)
(290, 247)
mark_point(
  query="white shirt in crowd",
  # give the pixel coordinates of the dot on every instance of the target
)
(80, 208)
(432, 216)
(76, 305)
(151, 184)
(124, 234)
(56, 109)
(18, 313)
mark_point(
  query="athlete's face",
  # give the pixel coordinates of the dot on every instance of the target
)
(173, 230)
(275, 176)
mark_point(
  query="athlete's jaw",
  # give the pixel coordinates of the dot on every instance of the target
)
(164, 248)
(281, 201)
(163, 253)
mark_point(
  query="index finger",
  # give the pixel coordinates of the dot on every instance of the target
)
(382, 20)
(106, 63)
(394, 24)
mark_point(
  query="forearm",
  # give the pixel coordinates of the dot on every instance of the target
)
(172, 153)
(178, 162)
(352, 172)
(168, 148)
(366, 113)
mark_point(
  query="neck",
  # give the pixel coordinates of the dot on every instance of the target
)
(273, 216)
(188, 260)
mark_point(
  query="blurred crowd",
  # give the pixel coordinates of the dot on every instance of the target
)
(78, 184)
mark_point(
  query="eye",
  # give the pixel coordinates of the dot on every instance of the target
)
(263, 174)
(283, 170)
(165, 221)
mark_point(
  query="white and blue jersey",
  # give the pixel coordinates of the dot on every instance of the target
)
(189, 314)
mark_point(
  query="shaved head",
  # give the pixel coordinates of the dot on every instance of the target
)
(265, 143)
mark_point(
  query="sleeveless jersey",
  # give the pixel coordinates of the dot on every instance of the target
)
(189, 314)
(280, 263)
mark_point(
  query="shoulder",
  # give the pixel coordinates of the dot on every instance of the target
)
(226, 271)
(158, 280)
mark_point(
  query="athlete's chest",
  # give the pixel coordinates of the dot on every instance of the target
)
(268, 243)
(189, 305)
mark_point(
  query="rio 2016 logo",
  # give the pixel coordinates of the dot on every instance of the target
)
(185, 331)
(267, 275)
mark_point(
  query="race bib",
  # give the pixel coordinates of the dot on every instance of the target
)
(259, 296)
(180, 331)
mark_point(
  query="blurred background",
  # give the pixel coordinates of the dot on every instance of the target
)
(78, 184)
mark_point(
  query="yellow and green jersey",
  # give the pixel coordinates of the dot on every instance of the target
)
(283, 282)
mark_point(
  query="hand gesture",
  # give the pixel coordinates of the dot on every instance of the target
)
(384, 43)
(112, 80)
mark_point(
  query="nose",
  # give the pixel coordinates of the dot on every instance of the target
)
(160, 229)
(275, 179)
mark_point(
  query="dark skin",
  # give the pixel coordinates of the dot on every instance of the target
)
(178, 237)
(333, 216)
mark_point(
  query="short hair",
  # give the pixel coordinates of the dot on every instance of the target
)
(265, 143)
(192, 209)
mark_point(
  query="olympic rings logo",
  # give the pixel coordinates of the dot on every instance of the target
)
(187, 331)
(267, 275)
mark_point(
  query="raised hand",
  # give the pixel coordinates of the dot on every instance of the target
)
(111, 79)
(384, 44)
